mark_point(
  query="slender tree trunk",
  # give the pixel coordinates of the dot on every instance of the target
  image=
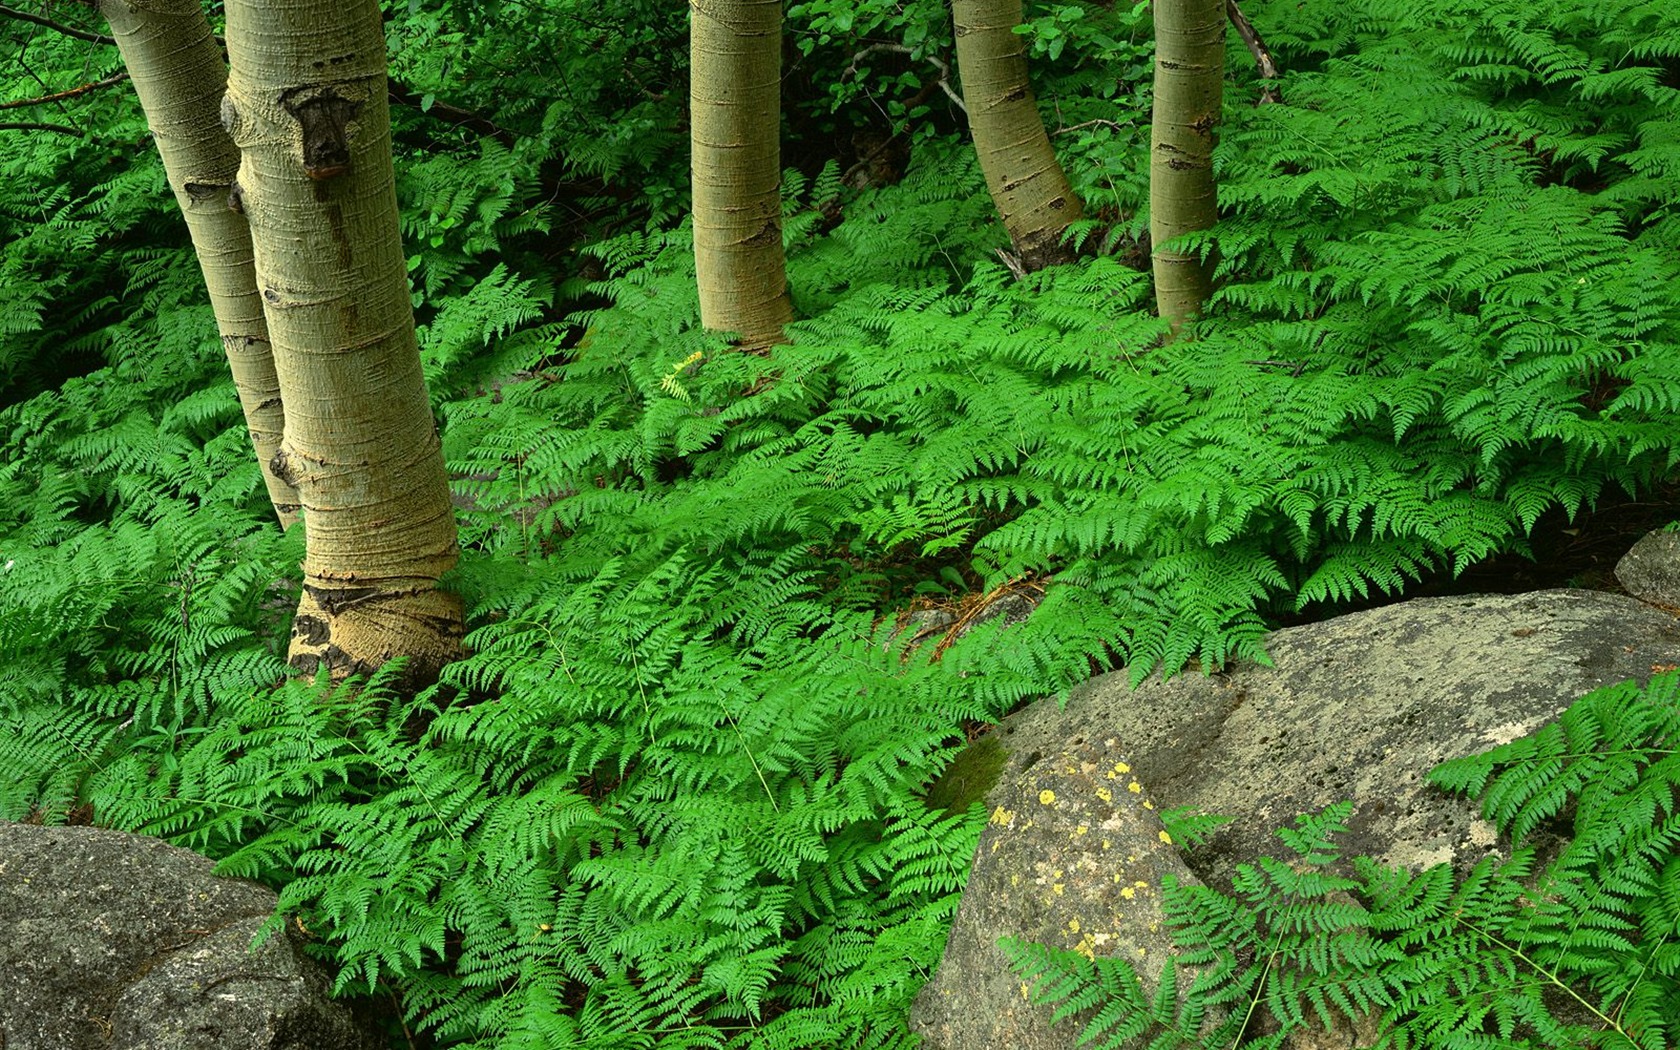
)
(306, 105)
(1027, 184)
(179, 74)
(735, 104)
(1189, 91)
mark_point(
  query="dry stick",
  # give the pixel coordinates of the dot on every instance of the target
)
(1112, 125)
(60, 128)
(1256, 47)
(899, 49)
(57, 27)
(60, 96)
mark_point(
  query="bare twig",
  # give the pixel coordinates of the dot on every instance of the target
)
(404, 95)
(60, 128)
(1109, 124)
(943, 66)
(60, 96)
(57, 27)
(1256, 47)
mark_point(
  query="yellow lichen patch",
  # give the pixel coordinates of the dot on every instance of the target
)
(1148, 804)
(1127, 892)
(1164, 837)
(995, 844)
(1047, 797)
(1135, 788)
(1080, 830)
(1003, 816)
(1120, 769)
(1057, 888)
(1073, 924)
(1086, 947)
(1105, 794)
(1140, 884)
(1104, 843)
(1026, 991)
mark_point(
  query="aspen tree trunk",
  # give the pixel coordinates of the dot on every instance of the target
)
(1027, 184)
(735, 109)
(179, 75)
(306, 105)
(1189, 91)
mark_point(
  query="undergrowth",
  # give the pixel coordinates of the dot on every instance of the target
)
(674, 797)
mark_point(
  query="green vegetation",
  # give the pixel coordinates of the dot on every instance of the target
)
(1581, 953)
(675, 796)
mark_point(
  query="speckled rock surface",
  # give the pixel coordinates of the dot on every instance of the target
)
(111, 941)
(1074, 855)
(1651, 570)
(1360, 707)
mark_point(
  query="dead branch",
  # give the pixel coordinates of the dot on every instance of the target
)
(57, 27)
(60, 96)
(899, 49)
(60, 128)
(1256, 47)
(1081, 126)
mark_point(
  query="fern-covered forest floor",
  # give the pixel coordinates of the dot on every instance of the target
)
(675, 796)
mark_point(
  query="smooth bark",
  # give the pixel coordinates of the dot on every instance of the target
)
(179, 74)
(1189, 91)
(735, 103)
(306, 105)
(1027, 183)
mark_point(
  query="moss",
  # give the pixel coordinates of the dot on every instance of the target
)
(968, 779)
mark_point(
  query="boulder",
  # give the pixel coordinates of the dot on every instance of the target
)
(1651, 570)
(119, 942)
(1360, 707)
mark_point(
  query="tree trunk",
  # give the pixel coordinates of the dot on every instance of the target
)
(735, 103)
(1189, 91)
(1026, 182)
(179, 75)
(306, 105)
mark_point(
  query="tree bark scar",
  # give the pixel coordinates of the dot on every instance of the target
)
(281, 467)
(770, 233)
(202, 191)
(324, 116)
(310, 630)
(336, 599)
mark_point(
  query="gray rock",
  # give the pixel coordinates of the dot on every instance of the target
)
(1074, 855)
(118, 942)
(1651, 570)
(1360, 707)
